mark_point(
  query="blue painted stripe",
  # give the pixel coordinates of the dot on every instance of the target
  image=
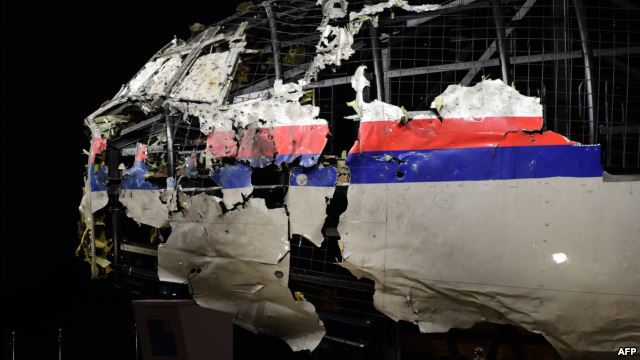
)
(472, 164)
(134, 177)
(97, 179)
(306, 160)
(315, 176)
(233, 176)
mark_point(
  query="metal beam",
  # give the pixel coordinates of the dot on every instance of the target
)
(132, 150)
(377, 65)
(170, 153)
(513, 60)
(500, 36)
(141, 124)
(275, 46)
(140, 249)
(494, 46)
(267, 83)
(619, 129)
(329, 82)
(242, 15)
(115, 207)
(625, 4)
(586, 55)
(306, 40)
(524, 59)
(289, 74)
(386, 62)
(617, 63)
(444, 9)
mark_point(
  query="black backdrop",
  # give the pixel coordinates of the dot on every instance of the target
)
(60, 61)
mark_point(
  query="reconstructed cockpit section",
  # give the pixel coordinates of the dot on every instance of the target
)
(213, 164)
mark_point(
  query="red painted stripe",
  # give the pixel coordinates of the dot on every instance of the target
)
(222, 144)
(430, 134)
(306, 139)
(492, 123)
(97, 146)
(256, 142)
(284, 140)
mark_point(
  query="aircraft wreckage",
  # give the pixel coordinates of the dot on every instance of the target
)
(467, 211)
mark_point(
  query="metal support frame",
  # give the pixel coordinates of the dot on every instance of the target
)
(625, 4)
(494, 46)
(59, 344)
(386, 63)
(619, 129)
(524, 59)
(115, 208)
(13, 345)
(141, 124)
(472, 65)
(275, 45)
(453, 4)
(377, 64)
(500, 36)
(170, 152)
(586, 55)
(253, 90)
(135, 334)
(328, 82)
(92, 226)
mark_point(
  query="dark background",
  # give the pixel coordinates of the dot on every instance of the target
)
(60, 61)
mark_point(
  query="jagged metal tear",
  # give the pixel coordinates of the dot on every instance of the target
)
(238, 262)
(442, 253)
(491, 223)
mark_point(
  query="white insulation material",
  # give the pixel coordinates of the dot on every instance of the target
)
(282, 108)
(369, 10)
(334, 9)
(439, 262)
(238, 262)
(336, 42)
(463, 102)
(334, 46)
(375, 110)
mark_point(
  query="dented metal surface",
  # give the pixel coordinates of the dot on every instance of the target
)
(439, 263)
(463, 220)
(463, 214)
(238, 262)
(239, 246)
(256, 293)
